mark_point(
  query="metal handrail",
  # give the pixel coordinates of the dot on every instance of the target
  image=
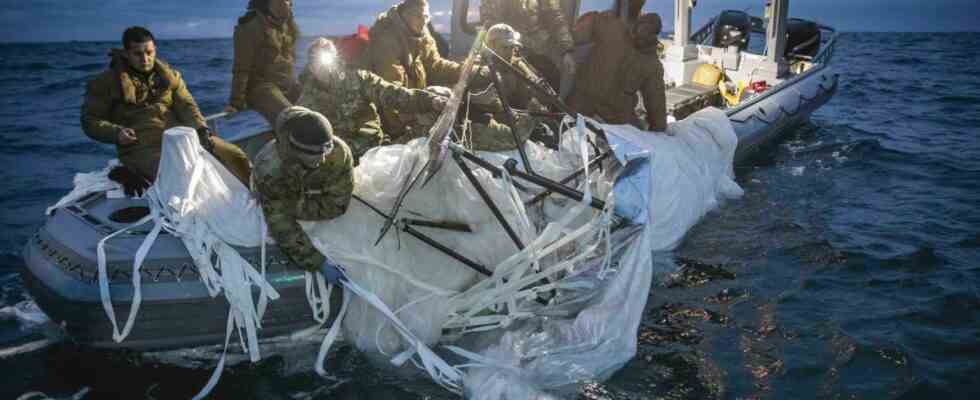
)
(704, 33)
(826, 54)
(213, 117)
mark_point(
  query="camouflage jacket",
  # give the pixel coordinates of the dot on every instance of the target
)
(542, 23)
(147, 103)
(288, 192)
(264, 52)
(350, 105)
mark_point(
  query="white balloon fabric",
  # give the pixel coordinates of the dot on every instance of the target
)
(412, 303)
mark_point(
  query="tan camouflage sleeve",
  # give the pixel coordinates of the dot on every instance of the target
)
(244, 64)
(290, 237)
(96, 110)
(559, 26)
(184, 104)
(440, 70)
(388, 95)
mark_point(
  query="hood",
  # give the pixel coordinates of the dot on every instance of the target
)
(162, 76)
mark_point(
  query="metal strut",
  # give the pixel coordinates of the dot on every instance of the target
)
(406, 227)
(487, 200)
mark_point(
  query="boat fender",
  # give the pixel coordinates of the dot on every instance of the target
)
(707, 75)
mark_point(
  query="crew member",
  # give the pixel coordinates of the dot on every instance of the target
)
(491, 126)
(624, 62)
(547, 35)
(265, 55)
(139, 97)
(348, 96)
(306, 173)
(402, 50)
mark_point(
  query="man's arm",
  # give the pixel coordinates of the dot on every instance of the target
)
(440, 70)
(96, 112)
(388, 95)
(654, 94)
(244, 64)
(290, 237)
(185, 106)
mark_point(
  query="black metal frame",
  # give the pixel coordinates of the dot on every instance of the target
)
(461, 156)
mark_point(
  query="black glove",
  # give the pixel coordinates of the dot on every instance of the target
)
(204, 135)
(133, 184)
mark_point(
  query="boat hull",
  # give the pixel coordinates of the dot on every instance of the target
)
(176, 310)
(765, 119)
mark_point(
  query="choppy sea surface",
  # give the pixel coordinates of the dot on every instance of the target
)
(850, 269)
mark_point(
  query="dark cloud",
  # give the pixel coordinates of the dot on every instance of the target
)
(57, 20)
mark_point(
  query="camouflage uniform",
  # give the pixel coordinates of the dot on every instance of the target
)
(289, 192)
(350, 104)
(545, 30)
(607, 84)
(265, 55)
(148, 104)
(490, 133)
(399, 56)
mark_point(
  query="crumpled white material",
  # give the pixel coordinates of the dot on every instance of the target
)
(407, 295)
(86, 183)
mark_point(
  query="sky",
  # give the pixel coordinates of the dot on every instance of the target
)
(85, 20)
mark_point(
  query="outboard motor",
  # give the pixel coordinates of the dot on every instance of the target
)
(732, 28)
(803, 38)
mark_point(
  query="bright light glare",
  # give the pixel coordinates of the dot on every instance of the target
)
(326, 58)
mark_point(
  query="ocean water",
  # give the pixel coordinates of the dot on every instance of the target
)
(850, 269)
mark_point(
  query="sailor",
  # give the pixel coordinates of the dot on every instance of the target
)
(304, 174)
(265, 53)
(624, 61)
(136, 99)
(490, 130)
(348, 97)
(547, 35)
(402, 51)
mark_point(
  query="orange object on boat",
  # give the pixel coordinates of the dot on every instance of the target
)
(352, 46)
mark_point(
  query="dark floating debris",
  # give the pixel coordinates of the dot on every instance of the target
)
(695, 273)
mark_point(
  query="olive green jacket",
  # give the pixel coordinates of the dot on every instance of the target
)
(264, 53)
(288, 192)
(607, 84)
(399, 56)
(147, 103)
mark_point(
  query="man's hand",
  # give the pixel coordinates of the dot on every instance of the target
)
(230, 110)
(126, 137)
(334, 274)
(204, 136)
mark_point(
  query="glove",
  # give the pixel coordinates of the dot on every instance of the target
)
(134, 185)
(204, 136)
(333, 273)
